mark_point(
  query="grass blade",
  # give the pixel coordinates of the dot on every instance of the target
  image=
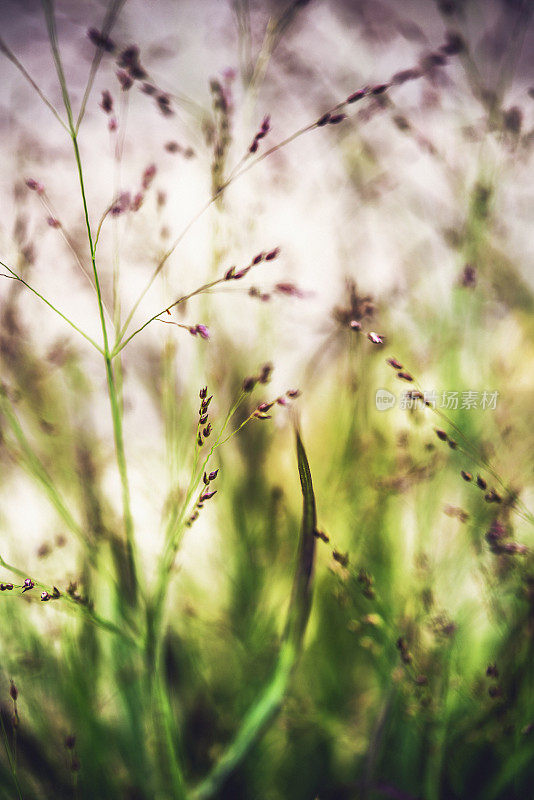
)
(268, 704)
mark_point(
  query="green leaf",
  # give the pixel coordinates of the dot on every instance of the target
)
(263, 712)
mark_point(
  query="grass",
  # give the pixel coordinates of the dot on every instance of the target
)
(169, 633)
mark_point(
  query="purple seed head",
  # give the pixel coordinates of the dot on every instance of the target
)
(265, 374)
(394, 363)
(258, 258)
(324, 120)
(106, 104)
(207, 430)
(203, 393)
(205, 479)
(206, 402)
(203, 331)
(249, 384)
(34, 185)
(229, 274)
(335, 119)
(293, 393)
(53, 222)
(213, 474)
(481, 483)
(13, 691)
(254, 146)
(380, 89)
(101, 40)
(45, 596)
(441, 434)
(207, 496)
(405, 376)
(355, 325)
(124, 79)
(353, 98)
(272, 254)
(203, 419)
(148, 176)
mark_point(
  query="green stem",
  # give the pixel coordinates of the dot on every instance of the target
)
(255, 723)
(112, 389)
(17, 277)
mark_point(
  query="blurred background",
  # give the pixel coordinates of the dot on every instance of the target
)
(410, 219)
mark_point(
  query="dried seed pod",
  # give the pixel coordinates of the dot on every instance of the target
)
(335, 119)
(375, 338)
(353, 98)
(249, 384)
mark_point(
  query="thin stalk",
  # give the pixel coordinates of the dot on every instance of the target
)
(14, 60)
(35, 467)
(17, 277)
(10, 758)
(109, 21)
(255, 723)
(112, 390)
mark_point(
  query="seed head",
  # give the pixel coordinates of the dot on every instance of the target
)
(380, 89)
(101, 40)
(375, 338)
(45, 596)
(355, 325)
(207, 495)
(203, 393)
(213, 474)
(441, 434)
(148, 176)
(106, 104)
(205, 403)
(335, 119)
(293, 393)
(466, 476)
(265, 373)
(394, 363)
(249, 384)
(53, 222)
(13, 691)
(481, 483)
(405, 376)
(272, 254)
(324, 120)
(124, 79)
(207, 430)
(35, 186)
(353, 98)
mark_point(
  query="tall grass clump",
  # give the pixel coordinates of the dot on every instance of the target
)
(248, 244)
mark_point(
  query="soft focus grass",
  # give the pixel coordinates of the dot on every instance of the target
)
(358, 720)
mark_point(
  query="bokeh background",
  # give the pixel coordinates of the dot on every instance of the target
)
(411, 217)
